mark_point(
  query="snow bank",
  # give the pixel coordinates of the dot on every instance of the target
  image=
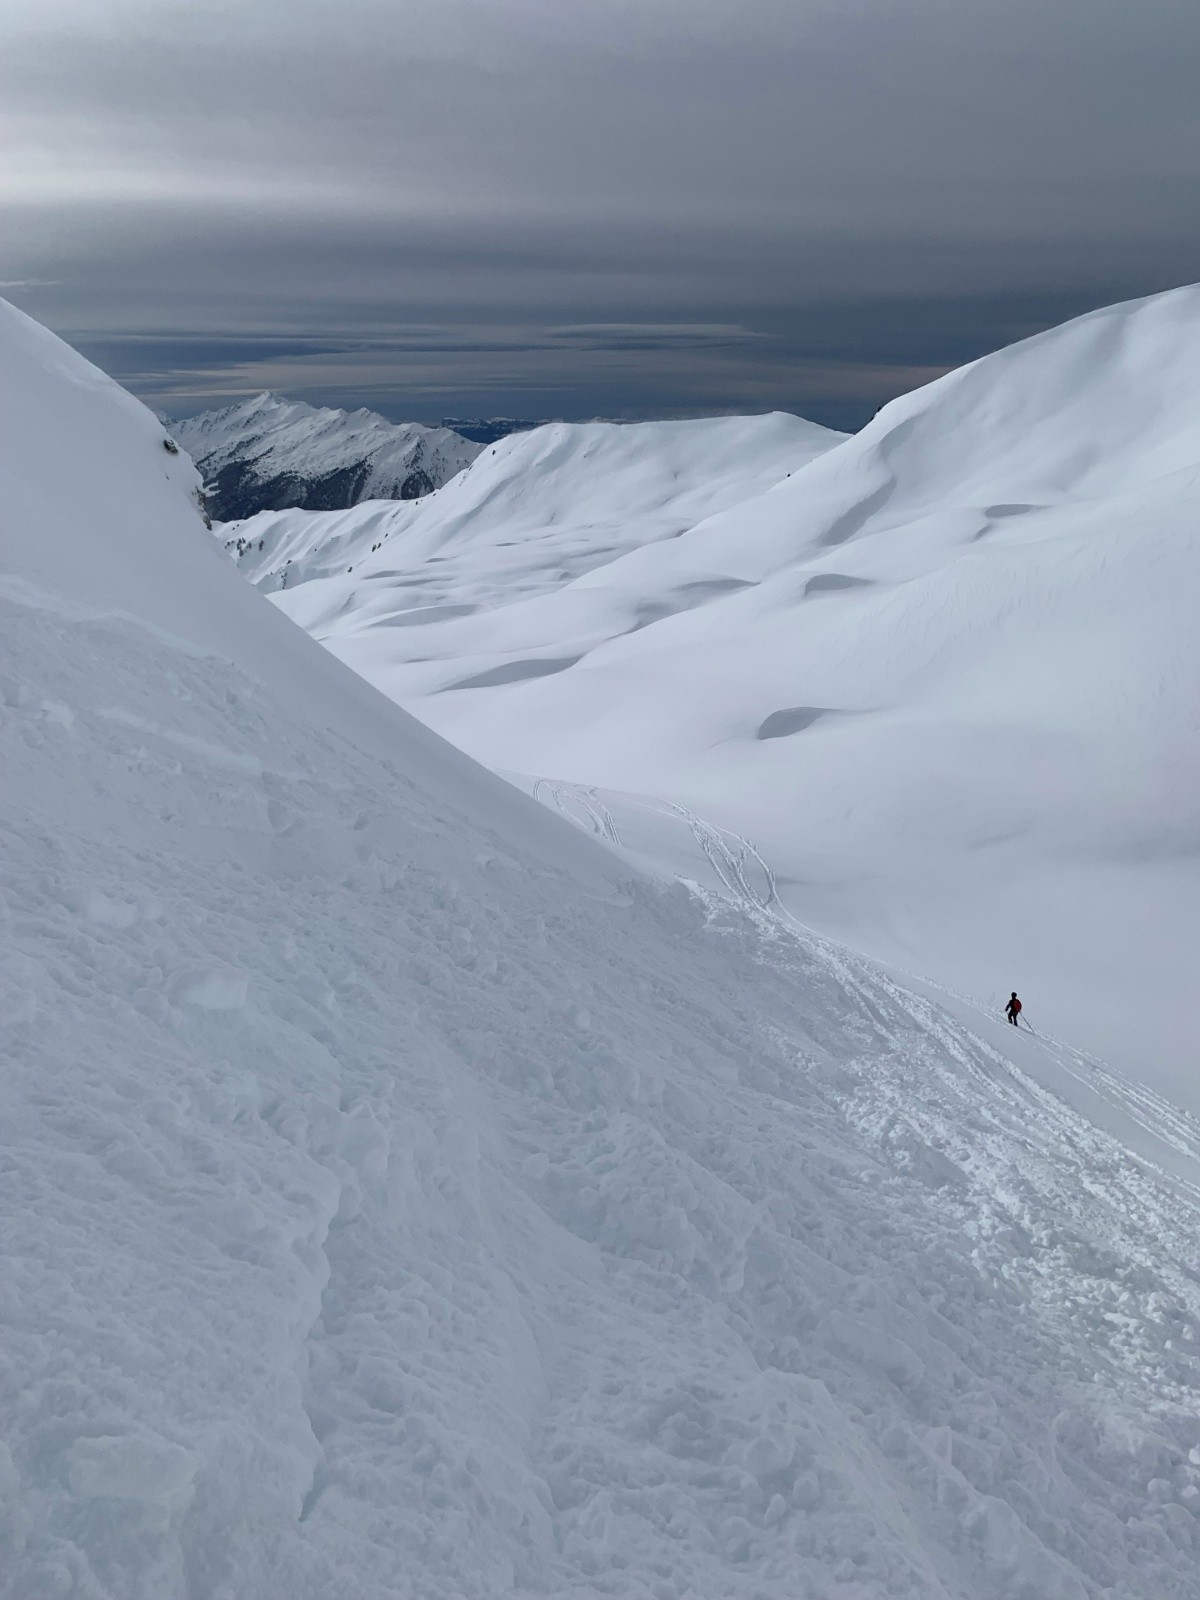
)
(401, 1198)
(942, 675)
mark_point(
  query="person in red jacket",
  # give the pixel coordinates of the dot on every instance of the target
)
(1013, 1010)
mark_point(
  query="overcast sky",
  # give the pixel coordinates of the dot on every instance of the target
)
(587, 207)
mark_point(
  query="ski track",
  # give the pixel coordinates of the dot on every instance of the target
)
(845, 640)
(1140, 1105)
(575, 1270)
(597, 817)
(730, 854)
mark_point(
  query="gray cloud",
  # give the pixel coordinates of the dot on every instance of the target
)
(629, 205)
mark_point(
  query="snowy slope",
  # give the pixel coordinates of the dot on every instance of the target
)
(535, 511)
(402, 1197)
(943, 676)
(268, 452)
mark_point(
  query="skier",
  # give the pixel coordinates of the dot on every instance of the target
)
(1013, 1010)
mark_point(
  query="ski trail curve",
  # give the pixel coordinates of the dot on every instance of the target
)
(597, 818)
(746, 879)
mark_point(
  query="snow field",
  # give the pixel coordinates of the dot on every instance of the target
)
(387, 1210)
(403, 1196)
(568, 497)
(941, 674)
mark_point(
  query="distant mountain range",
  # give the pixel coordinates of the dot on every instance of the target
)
(487, 430)
(267, 454)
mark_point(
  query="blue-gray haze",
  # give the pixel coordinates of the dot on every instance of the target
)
(628, 207)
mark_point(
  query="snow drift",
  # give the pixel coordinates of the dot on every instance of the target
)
(943, 675)
(266, 452)
(403, 1197)
(537, 510)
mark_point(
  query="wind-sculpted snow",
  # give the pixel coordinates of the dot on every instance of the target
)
(266, 452)
(535, 511)
(403, 1197)
(989, 595)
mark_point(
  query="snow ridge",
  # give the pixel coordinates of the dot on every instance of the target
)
(267, 452)
(535, 511)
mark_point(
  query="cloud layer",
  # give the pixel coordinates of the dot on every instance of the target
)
(625, 207)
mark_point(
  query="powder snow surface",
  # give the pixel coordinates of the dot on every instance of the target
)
(537, 510)
(943, 675)
(405, 1198)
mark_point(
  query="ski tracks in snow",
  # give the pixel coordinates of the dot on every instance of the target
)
(1138, 1109)
(747, 879)
(414, 1224)
(736, 862)
(580, 804)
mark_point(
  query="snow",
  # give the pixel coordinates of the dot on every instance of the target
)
(942, 674)
(405, 1196)
(535, 511)
(277, 452)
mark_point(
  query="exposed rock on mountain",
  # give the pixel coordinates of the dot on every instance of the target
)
(267, 453)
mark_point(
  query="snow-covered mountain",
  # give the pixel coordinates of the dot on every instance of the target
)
(266, 452)
(406, 1197)
(943, 676)
(535, 511)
